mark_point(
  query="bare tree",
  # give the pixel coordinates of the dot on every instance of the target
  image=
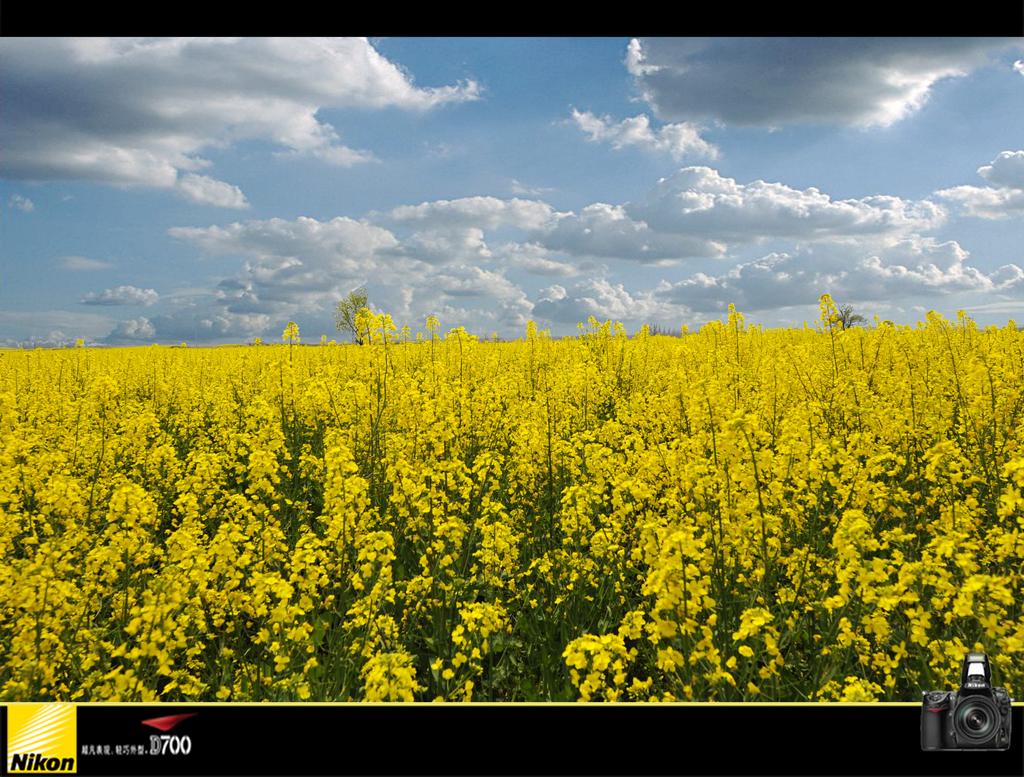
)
(345, 313)
(848, 318)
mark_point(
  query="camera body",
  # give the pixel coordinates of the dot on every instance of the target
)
(976, 717)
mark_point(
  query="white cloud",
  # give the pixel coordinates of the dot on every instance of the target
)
(303, 263)
(140, 111)
(440, 260)
(635, 60)
(470, 281)
(447, 245)
(336, 155)
(1007, 169)
(301, 267)
(1006, 309)
(132, 330)
(677, 140)
(464, 281)
(770, 82)
(122, 295)
(56, 338)
(553, 293)
(208, 191)
(339, 243)
(603, 230)
(24, 204)
(452, 231)
(202, 325)
(342, 156)
(435, 258)
(519, 188)
(1019, 66)
(696, 212)
(83, 263)
(985, 202)
(602, 299)
(1003, 200)
(479, 212)
(534, 259)
(698, 201)
(913, 267)
(36, 327)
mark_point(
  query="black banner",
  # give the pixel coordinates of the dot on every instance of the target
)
(867, 18)
(507, 739)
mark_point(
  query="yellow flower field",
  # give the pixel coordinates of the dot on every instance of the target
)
(734, 514)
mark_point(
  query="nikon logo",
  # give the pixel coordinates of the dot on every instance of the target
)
(41, 738)
(37, 762)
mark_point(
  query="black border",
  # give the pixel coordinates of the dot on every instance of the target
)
(514, 739)
(188, 17)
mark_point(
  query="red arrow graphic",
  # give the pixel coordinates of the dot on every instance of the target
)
(168, 722)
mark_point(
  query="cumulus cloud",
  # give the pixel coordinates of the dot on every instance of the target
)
(130, 111)
(56, 338)
(602, 299)
(1007, 169)
(122, 295)
(291, 264)
(497, 300)
(677, 140)
(302, 267)
(910, 268)
(203, 325)
(471, 281)
(452, 231)
(132, 330)
(985, 202)
(1003, 200)
(437, 252)
(32, 328)
(696, 212)
(480, 212)
(208, 191)
(770, 82)
(603, 230)
(18, 202)
(337, 243)
(83, 263)
(535, 259)
(699, 201)
(447, 245)
(443, 257)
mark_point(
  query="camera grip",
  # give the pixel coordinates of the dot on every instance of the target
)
(932, 719)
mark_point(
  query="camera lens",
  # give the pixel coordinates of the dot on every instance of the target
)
(975, 719)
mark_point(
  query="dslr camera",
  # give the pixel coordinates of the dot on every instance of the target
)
(977, 717)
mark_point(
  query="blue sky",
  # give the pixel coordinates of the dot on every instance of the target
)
(212, 190)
